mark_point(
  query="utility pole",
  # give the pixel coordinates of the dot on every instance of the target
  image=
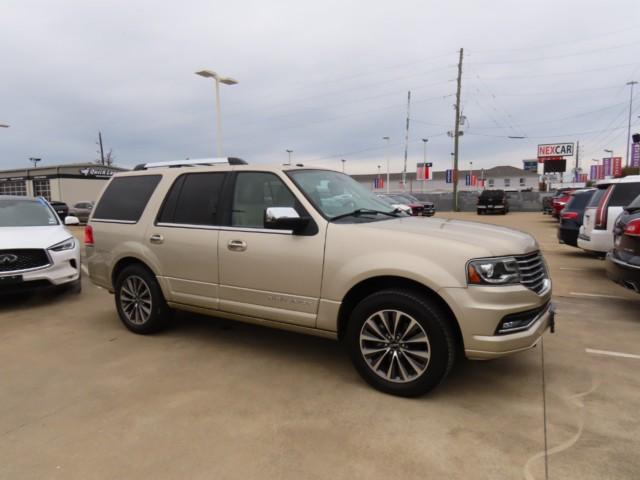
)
(406, 143)
(577, 172)
(101, 149)
(388, 139)
(631, 84)
(456, 133)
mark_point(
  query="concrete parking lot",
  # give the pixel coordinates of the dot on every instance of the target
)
(81, 397)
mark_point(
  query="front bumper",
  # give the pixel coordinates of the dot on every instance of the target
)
(64, 267)
(623, 273)
(479, 311)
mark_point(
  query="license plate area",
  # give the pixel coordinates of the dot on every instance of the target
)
(11, 280)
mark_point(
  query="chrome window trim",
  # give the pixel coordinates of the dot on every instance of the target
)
(106, 220)
(224, 228)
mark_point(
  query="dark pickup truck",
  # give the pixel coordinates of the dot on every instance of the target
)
(493, 201)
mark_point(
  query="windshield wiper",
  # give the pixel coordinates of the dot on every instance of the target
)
(364, 211)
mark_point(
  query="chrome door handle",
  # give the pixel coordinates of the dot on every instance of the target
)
(156, 238)
(237, 245)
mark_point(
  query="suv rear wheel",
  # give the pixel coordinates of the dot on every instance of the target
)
(400, 342)
(139, 300)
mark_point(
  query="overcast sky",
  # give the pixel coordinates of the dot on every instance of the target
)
(327, 79)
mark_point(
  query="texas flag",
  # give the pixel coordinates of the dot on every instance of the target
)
(423, 171)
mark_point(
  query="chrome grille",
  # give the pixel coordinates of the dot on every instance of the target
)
(532, 271)
(22, 259)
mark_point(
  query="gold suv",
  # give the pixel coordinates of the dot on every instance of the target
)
(313, 251)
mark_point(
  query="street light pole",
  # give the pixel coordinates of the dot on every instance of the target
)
(388, 139)
(35, 161)
(289, 152)
(631, 84)
(218, 80)
(343, 162)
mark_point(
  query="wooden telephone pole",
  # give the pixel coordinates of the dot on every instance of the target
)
(456, 134)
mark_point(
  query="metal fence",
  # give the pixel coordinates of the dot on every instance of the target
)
(518, 201)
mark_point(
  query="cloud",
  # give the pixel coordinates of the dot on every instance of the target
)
(326, 79)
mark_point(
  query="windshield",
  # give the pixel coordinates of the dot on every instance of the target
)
(334, 194)
(26, 213)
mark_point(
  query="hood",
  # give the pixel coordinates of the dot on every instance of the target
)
(32, 237)
(493, 239)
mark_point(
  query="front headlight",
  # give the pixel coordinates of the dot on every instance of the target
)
(67, 244)
(493, 271)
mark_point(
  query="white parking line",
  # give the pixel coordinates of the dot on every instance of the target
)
(84, 269)
(611, 354)
(596, 295)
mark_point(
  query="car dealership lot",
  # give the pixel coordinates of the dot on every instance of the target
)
(81, 397)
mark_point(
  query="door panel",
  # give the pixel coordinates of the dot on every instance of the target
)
(268, 274)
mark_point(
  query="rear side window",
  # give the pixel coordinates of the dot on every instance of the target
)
(595, 198)
(623, 194)
(579, 201)
(193, 200)
(126, 198)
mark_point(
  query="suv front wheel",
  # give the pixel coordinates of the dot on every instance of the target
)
(139, 300)
(400, 342)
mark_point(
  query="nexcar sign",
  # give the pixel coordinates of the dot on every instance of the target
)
(555, 150)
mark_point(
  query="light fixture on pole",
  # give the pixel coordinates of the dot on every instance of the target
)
(610, 152)
(631, 84)
(4, 125)
(218, 80)
(35, 161)
(289, 152)
(388, 139)
(343, 162)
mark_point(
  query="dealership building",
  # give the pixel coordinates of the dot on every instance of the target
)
(70, 183)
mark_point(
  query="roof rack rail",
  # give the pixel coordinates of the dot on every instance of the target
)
(191, 163)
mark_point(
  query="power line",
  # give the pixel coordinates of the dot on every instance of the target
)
(558, 74)
(554, 57)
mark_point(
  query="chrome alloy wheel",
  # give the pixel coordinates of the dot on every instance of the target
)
(395, 346)
(135, 300)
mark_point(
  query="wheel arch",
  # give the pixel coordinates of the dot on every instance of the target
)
(366, 287)
(123, 263)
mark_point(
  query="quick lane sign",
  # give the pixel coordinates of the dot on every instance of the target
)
(555, 150)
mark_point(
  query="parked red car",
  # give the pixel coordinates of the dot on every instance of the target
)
(559, 201)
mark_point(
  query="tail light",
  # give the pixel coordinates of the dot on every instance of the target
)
(632, 228)
(569, 215)
(88, 235)
(601, 212)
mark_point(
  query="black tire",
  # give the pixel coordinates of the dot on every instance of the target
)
(158, 311)
(434, 324)
(76, 287)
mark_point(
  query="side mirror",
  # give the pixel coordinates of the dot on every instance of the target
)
(71, 220)
(284, 218)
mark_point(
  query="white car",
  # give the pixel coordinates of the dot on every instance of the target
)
(606, 204)
(36, 250)
(399, 206)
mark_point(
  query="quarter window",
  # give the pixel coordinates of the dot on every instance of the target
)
(254, 192)
(623, 194)
(193, 200)
(126, 198)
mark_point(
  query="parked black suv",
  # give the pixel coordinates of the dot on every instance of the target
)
(623, 262)
(494, 201)
(61, 208)
(571, 216)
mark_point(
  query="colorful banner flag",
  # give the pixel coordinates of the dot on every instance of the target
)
(606, 165)
(449, 176)
(635, 155)
(423, 171)
(583, 178)
(616, 169)
(600, 172)
(593, 173)
(471, 180)
(378, 183)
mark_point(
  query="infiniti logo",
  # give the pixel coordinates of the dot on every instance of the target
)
(8, 258)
